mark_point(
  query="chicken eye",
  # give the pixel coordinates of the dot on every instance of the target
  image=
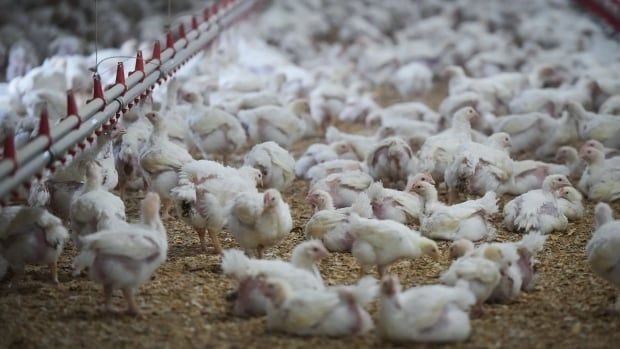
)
(315, 249)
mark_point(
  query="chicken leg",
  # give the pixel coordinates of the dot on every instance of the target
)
(54, 272)
(107, 298)
(216, 241)
(132, 307)
(201, 236)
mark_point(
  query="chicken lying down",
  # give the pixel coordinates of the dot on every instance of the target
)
(326, 168)
(400, 206)
(538, 210)
(480, 275)
(335, 313)
(126, 257)
(434, 313)
(391, 161)
(30, 236)
(161, 160)
(600, 180)
(274, 162)
(569, 200)
(603, 249)
(530, 174)
(205, 189)
(301, 273)
(344, 187)
(382, 243)
(315, 154)
(95, 208)
(467, 220)
(330, 225)
(259, 220)
(517, 265)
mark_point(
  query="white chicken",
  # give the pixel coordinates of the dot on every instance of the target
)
(161, 160)
(213, 130)
(468, 220)
(205, 189)
(537, 210)
(569, 157)
(569, 200)
(326, 168)
(125, 258)
(433, 313)
(259, 220)
(391, 161)
(481, 275)
(601, 178)
(438, 151)
(399, 206)
(315, 154)
(274, 162)
(604, 246)
(331, 313)
(301, 273)
(283, 125)
(343, 187)
(330, 224)
(31, 236)
(382, 243)
(94, 208)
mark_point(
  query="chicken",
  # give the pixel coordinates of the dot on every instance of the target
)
(481, 275)
(282, 125)
(362, 145)
(274, 162)
(601, 179)
(527, 131)
(433, 313)
(213, 130)
(125, 258)
(604, 246)
(259, 220)
(476, 169)
(563, 132)
(94, 208)
(326, 168)
(439, 150)
(413, 79)
(600, 127)
(537, 210)
(517, 266)
(301, 273)
(330, 224)
(391, 161)
(414, 111)
(31, 236)
(529, 175)
(319, 312)
(569, 157)
(161, 161)
(127, 155)
(315, 154)
(468, 220)
(205, 189)
(399, 206)
(344, 187)
(382, 243)
(569, 200)
(609, 152)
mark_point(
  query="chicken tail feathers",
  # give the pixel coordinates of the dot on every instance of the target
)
(489, 203)
(533, 242)
(363, 293)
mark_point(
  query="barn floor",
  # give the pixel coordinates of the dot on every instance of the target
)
(185, 304)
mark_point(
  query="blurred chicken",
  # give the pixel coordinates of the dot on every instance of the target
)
(31, 236)
(344, 187)
(604, 246)
(569, 200)
(274, 162)
(391, 161)
(282, 125)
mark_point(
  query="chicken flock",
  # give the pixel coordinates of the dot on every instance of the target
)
(532, 114)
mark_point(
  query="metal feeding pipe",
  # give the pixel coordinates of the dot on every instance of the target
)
(79, 126)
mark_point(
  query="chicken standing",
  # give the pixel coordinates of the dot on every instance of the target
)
(274, 162)
(125, 258)
(259, 220)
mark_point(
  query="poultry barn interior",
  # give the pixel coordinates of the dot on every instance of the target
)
(311, 173)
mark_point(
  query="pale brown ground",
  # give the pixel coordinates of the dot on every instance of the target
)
(185, 304)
